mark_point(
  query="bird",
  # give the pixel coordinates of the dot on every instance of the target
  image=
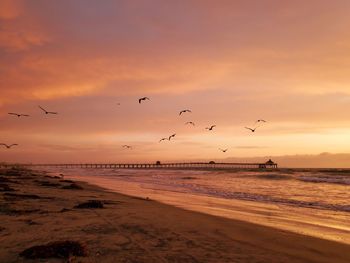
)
(260, 121)
(8, 146)
(252, 130)
(183, 111)
(18, 114)
(210, 128)
(223, 150)
(172, 136)
(127, 146)
(47, 112)
(190, 122)
(163, 139)
(118, 103)
(144, 98)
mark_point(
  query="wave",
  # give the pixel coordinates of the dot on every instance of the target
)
(335, 171)
(326, 179)
(269, 199)
(274, 176)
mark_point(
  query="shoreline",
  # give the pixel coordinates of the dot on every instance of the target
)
(133, 229)
(301, 220)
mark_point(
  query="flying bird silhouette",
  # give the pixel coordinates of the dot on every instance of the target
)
(210, 128)
(18, 114)
(127, 146)
(47, 112)
(8, 146)
(172, 136)
(223, 150)
(260, 121)
(163, 139)
(252, 130)
(190, 122)
(144, 98)
(183, 111)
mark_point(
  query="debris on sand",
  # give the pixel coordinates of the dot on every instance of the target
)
(90, 204)
(6, 210)
(66, 181)
(21, 196)
(142, 198)
(31, 222)
(73, 186)
(48, 184)
(58, 249)
(4, 179)
(6, 188)
(52, 177)
(13, 172)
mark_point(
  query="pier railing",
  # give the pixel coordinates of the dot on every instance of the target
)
(191, 165)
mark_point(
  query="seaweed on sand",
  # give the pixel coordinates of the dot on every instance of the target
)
(47, 183)
(90, 204)
(6, 188)
(66, 181)
(188, 178)
(7, 210)
(57, 249)
(73, 186)
(21, 196)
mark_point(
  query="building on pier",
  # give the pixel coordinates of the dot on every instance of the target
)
(268, 164)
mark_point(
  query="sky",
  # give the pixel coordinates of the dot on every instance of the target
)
(230, 62)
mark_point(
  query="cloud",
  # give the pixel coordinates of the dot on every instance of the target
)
(19, 40)
(10, 9)
(170, 53)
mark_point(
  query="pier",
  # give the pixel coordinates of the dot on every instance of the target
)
(190, 165)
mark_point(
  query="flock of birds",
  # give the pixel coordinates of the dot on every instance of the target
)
(140, 100)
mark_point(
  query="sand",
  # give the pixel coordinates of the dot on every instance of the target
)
(36, 209)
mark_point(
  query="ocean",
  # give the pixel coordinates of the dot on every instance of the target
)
(313, 202)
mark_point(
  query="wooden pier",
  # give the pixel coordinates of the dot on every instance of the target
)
(191, 165)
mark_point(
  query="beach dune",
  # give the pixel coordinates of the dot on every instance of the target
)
(36, 209)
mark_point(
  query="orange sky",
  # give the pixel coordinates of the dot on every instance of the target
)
(230, 62)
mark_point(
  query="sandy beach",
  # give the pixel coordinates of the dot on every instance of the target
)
(37, 209)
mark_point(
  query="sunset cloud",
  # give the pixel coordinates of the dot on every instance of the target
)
(10, 9)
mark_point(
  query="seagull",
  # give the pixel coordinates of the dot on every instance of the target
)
(211, 128)
(183, 111)
(163, 139)
(260, 121)
(127, 146)
(144, 98)
(47, 112)
(8, 146)
(190, 122)
(172, 136)
(223, 150)
(18, 114)
(252, 130)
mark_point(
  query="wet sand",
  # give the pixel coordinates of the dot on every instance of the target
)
(37, 209)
